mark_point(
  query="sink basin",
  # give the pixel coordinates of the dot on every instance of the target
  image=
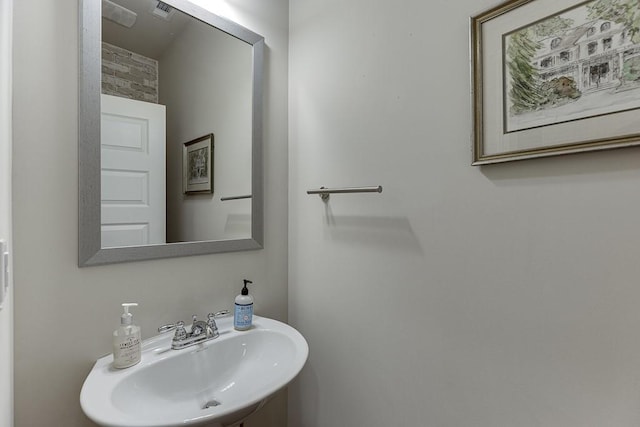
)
(217, 383)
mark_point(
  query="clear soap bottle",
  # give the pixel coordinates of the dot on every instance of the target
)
(127, 347)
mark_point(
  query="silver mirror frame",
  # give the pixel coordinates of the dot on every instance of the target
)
(90, 251)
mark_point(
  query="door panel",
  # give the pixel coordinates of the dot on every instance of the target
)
(133, 172)
(6, 277)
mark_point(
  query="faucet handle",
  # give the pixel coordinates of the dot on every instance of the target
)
(181, 333)
(211, 323)
(211, 319)
(166, 328)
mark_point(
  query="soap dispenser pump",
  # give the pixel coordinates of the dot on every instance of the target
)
(127, 350)
(243, 314)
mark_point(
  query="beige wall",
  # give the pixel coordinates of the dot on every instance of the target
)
(216, 98)
(6, 313)
(461, 296)
(64, 316)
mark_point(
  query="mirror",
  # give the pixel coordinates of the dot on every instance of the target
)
(170, 132)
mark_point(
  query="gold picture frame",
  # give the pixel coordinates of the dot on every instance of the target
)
(197, 165)
(553, 77)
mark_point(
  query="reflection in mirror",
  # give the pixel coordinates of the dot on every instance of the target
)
(199, 78)
(170, 131)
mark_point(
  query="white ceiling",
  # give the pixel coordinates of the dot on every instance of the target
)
(150, 34)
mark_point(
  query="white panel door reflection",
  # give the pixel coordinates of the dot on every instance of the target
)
(133, 172)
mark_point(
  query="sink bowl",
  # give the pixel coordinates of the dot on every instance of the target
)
(217, 383)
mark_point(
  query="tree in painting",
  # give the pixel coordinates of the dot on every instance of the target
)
(552, 27)
(624, 12)
(527, 92)
(524, 76)
(524, 92)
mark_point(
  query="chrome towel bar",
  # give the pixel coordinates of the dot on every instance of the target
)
(324, 192)
(224, 199)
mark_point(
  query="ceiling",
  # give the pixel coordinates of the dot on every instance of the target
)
(150, 35)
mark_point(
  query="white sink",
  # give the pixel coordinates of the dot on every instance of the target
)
(216, 383)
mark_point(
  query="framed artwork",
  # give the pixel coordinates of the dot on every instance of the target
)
(554, 77)
(197, 165)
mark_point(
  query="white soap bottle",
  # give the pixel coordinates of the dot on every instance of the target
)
(243, 313)
(127, 347)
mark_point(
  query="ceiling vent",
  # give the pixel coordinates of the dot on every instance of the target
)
(162, 10)
(118, 14)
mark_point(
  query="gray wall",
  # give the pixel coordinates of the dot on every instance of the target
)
(216, 98)
(461, 296)
(6, 313)
(64, 316)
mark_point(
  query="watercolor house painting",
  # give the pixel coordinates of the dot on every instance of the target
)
(580, 63)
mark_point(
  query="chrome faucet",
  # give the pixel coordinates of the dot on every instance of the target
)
(199, 332)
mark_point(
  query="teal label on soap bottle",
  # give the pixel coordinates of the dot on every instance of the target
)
(243, 316)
